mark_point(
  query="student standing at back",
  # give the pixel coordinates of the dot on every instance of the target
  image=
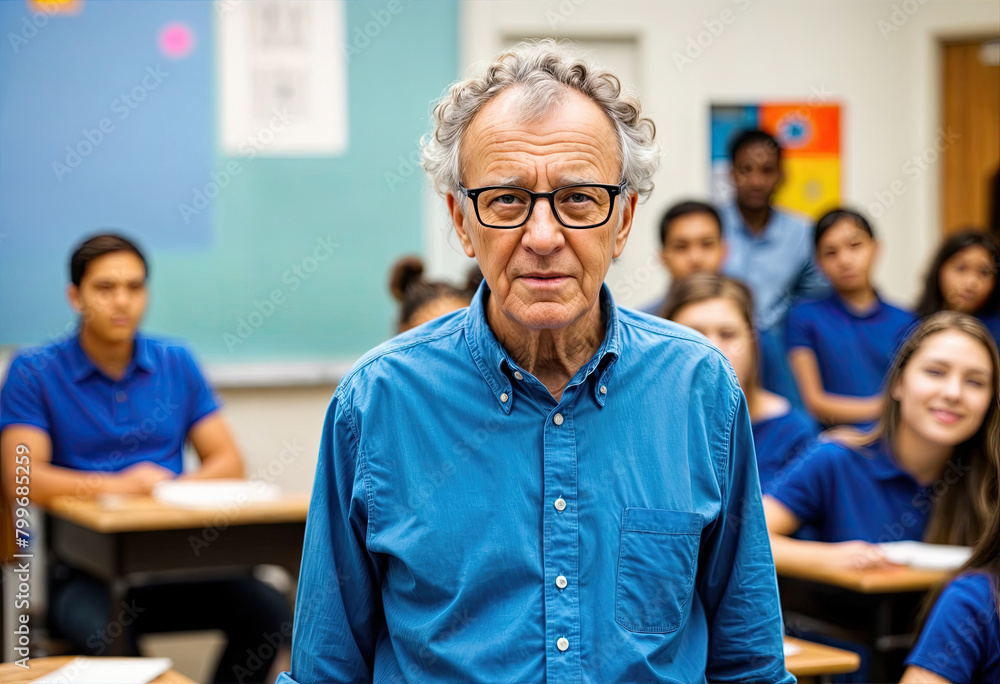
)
(721, 309)
(840, 347)
(691, 242)
(962, 277)
(769, 249)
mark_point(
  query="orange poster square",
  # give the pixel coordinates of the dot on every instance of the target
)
(803, 129)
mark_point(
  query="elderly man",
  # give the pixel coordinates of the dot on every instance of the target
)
(543, 486)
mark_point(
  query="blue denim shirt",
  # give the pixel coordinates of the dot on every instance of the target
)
(466, 527)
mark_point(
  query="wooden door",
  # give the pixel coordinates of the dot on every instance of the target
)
(969, 140)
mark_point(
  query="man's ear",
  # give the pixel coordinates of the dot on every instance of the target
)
(458, 221)
(628, 213)
(73, 297)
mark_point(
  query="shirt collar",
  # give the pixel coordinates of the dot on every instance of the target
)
(881, 463)
(770, 228)
(497, 367)
(81, 367)
(875, 308)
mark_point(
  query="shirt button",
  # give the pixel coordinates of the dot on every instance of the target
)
(562, 643)
(560, 504)
(557, 419)
(604, 389)
(120, 396)
(561, 582)
(517, 374)
(504, 398)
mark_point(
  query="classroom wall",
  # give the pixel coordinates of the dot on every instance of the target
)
(887, 81)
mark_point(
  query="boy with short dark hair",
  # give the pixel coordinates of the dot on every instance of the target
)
(113, 401)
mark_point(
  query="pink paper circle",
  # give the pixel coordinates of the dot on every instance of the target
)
(176, 40)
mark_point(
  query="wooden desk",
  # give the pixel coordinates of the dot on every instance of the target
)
(121, 537)
(12, 674)
(880, 603)
(817, 660)
(892, 580)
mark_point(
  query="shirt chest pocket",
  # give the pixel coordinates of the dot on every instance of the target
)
(656, 568)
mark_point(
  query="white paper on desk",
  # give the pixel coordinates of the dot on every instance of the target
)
(107, 671)
(926, 556)
(214, 493)
(791, 649)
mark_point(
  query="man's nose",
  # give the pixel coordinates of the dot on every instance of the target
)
(543, 234)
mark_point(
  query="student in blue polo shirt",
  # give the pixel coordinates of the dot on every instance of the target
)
(927, 471)
(839, 347)
(960, 635)
(108, 410)
(721, 309)
(962, 277)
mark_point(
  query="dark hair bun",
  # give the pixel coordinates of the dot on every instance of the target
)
(405, 273)
(472, 279)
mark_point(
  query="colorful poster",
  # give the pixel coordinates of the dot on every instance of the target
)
(809, 135)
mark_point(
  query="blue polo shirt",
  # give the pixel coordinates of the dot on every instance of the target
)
(96, 423)
(961, 639)
(992, 323)
(853, 350)
(780, 440)
(848, 494)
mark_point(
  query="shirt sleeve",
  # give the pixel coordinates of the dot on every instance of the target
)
(736, 580)
(954, 640)
(812, 283)
(798, 332)
(799, 485)
(21, 399)
(202, 399)
(338, 611)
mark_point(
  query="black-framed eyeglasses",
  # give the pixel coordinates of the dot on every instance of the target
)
(584, 205)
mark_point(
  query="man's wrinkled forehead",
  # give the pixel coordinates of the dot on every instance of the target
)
(572, 134)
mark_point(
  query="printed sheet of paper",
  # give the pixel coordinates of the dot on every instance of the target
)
(282, 77)
(107, 671)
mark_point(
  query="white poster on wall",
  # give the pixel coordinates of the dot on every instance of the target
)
(282, 77)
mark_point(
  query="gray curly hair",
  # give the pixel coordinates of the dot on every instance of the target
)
(543, 70)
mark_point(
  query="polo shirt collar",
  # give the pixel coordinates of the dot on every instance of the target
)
(497, 367)
(881, 463)
(81, 367)
(875, 309)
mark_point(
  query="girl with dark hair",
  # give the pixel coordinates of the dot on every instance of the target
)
(421, 300)
(722, 310)
(962, 277)
(853, 323)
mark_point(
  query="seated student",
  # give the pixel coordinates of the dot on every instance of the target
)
(960, 637)
(721, 309)
(111, 401)
(839, 347)
(691, 239)
(420, 300)
(940, 424)
(962, 277)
